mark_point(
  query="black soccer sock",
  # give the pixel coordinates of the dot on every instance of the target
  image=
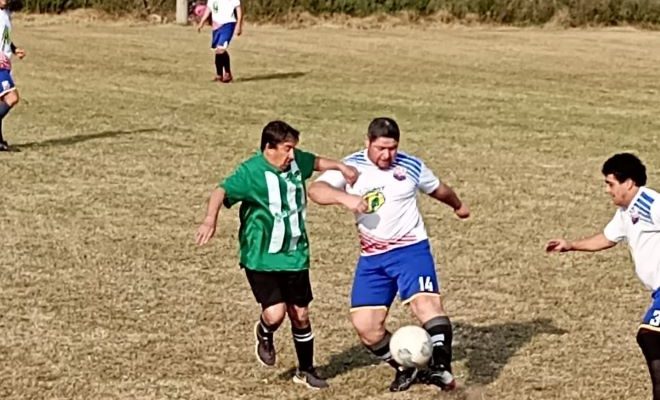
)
(303, 339)
(382, 350)
(218, 64)
(439, 328)
(4, 110)
(649, 341)
(227, 62)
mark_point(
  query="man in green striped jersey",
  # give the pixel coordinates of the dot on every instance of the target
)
(274, 248)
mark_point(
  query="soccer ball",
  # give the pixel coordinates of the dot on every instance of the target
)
(411, 346)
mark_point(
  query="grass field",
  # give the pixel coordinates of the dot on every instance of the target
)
(103, 294)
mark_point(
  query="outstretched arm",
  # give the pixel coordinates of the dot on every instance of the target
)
(445, 194)
(205, 16)
(324, 194)
(207, 229)
(594, 243)
(325, 164)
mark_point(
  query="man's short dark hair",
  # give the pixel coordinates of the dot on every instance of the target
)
(383, 127)
(276, 132)
(625, 166)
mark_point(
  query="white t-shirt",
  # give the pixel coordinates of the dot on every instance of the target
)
(639, 225)
(222, 11)
(394, 219)
(5, 47)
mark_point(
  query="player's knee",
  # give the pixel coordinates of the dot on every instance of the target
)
(274, 315)
(11, 98)
(649, 342)
(299, 316)
(427, 306)
(370, 328)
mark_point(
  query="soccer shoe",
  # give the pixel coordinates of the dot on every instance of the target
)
(403, 379)
(226, 78)
(4, 146)
(264, 348)
(309, 379)
(440, 378)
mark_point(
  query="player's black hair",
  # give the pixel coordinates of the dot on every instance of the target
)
(276, 132)
(383, 127)
(625, 166)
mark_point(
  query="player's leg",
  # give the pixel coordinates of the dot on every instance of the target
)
(649, 342)
(372, 294)
(297, 290)
(418, 287)
(8, 98)
(219, 58)
(648, 338)
(225, 34)
(266, 289)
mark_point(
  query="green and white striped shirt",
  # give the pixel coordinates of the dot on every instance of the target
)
(272, 235)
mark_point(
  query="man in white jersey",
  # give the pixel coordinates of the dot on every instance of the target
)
(226, 19)
(8, 92)
(395, 252)
(636, 221)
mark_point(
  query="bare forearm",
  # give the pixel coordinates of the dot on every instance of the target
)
(325, 164)
(239, 16)
(324, 194)
(594, 243)
(215, 203)
(446, 194)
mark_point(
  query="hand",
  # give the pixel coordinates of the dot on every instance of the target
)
(462, 212)
(205, 232)
(200, 26)
(356, 204)
(239, 30)
(350, 173)
(20, 53)
(558, 246)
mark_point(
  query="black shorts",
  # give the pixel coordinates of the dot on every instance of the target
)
(273, 287)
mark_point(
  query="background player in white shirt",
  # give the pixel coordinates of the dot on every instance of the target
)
(636, 221)
(226, 19)
(395, 251)
(8, 92)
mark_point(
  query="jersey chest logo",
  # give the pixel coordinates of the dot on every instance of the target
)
(399, 173)
(375, 200)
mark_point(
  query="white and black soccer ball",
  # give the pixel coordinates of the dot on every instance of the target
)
(411, 346)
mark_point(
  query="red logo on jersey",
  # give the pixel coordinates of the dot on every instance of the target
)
(634, 216)
(399, 173)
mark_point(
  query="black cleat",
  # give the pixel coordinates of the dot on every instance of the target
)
(264, 348)
(310, 379)
(403, 379)
(440, 378)
(4, 146)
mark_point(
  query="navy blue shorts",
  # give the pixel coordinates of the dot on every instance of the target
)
(652, 317)
(410, 270)
(222, 36)
(6, 82)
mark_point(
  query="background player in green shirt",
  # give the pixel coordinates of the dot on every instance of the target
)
(274, 248)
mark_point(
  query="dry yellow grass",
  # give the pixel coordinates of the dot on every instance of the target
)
(104, 296)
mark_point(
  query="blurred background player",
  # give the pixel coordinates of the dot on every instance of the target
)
(636, 221)
(395, 250)
(226, 19)
(274, 247)
(8, 92)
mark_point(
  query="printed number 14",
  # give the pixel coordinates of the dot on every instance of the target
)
(425, 284)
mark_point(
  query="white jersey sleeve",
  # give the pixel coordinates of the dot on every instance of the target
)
(615, 231)
(428, 182)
